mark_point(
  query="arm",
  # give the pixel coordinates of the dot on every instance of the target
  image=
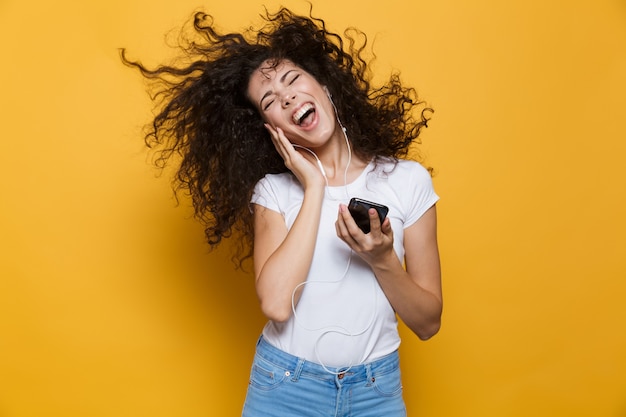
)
(415, 292)
(282, 257)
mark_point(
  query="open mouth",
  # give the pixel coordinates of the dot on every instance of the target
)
(304, 115)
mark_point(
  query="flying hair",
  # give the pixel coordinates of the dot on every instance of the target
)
(206, 127)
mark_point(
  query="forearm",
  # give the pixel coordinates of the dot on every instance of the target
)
(288, 265)
(418, 308)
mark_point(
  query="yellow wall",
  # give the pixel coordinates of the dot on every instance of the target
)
(110, 305)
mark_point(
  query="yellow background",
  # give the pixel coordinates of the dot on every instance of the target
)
(111, 305)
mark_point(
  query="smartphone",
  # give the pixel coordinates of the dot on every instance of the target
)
(359, 210)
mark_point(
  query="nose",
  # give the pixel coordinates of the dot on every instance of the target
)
(288, 98)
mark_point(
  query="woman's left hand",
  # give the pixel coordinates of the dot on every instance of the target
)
(375, 246)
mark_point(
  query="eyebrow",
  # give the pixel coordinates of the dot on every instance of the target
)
(269, 92)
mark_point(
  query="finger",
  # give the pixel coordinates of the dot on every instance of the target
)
(340, 228)
(277, 134)
(386, 227)
(279, 140)
(285, 143)
(273, 135)
(270, 129)
(348, 227)
(282, 138)
(375, 225)
(340, 225)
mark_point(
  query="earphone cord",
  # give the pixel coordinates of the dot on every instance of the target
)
(333, 329)
(321, 166)
(319, 163)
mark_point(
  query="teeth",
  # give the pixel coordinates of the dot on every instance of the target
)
(301, 112)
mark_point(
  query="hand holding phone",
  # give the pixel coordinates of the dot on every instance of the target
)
(359, 209)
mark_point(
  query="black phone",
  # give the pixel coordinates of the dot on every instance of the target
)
(359, 210)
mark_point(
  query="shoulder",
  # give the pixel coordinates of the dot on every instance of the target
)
(412, 166)
(274, 190)
(280, 181)
(402, 170)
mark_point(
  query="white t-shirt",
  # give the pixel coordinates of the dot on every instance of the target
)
(343, 317)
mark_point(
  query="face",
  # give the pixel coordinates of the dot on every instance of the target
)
(290, 98)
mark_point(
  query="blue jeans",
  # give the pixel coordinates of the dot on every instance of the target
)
(284, 385)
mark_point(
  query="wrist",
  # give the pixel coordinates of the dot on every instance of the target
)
(385, 262)
(315, 191)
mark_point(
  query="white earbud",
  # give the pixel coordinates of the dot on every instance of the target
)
(328, 93)
(345, 135)
(330, 97)
(319, 163)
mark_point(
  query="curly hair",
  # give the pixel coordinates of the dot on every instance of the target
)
(207, 120)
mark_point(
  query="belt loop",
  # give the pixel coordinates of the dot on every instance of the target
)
(298, 370)
(368, 373)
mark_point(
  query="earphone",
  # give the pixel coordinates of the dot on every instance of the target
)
(345, 135)
(319, 163)
(333, 329)
(330, 97)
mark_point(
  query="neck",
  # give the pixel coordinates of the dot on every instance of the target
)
(340, 164)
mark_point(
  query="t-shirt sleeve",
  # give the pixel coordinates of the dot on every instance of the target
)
(421, 194)
(264, 195)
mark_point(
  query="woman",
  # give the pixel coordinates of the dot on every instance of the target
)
(278, 129)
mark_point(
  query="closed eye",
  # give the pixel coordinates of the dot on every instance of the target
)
(267, 105)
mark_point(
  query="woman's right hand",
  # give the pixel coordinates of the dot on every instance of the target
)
(301, 164)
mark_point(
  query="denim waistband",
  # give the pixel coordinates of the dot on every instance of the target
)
(347, 374)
